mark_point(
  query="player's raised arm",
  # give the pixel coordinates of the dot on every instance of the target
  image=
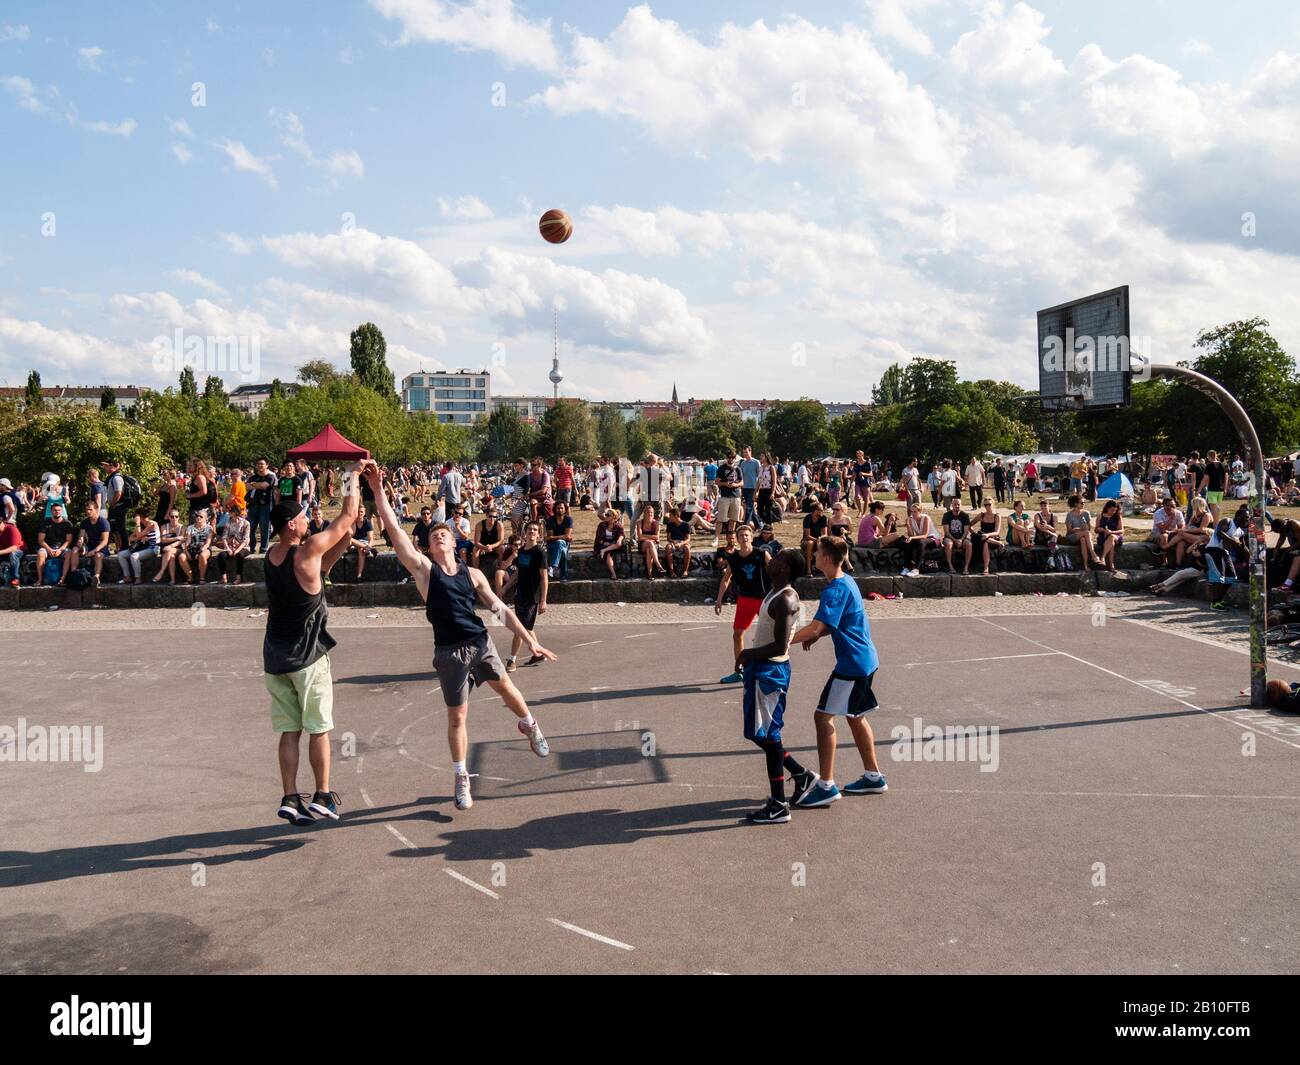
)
(408, 554)
(330, 543)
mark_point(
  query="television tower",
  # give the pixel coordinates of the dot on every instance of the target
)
(556, 375)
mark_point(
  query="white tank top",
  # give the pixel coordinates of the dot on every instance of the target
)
(765, 631)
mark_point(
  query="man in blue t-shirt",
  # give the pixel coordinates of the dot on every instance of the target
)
(750, 468)
(848, 692)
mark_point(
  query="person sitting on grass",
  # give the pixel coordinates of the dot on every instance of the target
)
(609, 539)
(196, 549)
(848, 692)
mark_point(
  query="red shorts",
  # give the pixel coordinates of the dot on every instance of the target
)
(746, 611)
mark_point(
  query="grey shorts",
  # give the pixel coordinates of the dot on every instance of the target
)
(462, 665)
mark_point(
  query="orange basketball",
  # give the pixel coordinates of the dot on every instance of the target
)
(555, 226)
(1277, 691)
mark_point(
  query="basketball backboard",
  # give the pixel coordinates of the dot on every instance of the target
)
(1084, 359)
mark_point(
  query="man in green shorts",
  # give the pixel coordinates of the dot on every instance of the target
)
(295, 651)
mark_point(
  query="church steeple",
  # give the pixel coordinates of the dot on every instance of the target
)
(675, 400)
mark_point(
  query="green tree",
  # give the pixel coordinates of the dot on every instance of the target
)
(711, 433)
(108, 400)
(611, 431)
(891, 387)
(798, 429)
(664, 430)
(68, 441)
(33, 400)
(507, 436)
(215, 388)
(567, 428)
(639, 442)
(277, 389)
(1246, 359)
(317, 372)
(189, 387)
(369, 354)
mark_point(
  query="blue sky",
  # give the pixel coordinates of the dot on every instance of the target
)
(769, 200)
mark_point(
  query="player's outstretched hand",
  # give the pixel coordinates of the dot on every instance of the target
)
(369, 469)
(538, 649)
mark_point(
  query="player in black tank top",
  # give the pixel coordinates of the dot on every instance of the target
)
(463, 653)
(295, 650)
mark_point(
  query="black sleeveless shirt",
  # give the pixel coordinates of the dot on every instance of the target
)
(295, 620)
(449, 607)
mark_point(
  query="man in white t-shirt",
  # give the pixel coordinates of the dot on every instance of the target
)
(948, 484)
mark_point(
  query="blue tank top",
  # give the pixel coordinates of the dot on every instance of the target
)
(449, 607)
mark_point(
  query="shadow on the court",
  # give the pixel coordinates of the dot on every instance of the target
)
(386, 678)
(586, 828)
(610, 695)
(24, 868)
(885, 741)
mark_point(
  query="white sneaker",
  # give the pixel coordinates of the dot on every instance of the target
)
(464, 800)
(535, 738)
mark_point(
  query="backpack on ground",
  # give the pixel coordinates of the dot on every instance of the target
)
(79, 580)
(53, 570)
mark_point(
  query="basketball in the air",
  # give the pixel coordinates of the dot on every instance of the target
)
(1277, 691)
(555, 226)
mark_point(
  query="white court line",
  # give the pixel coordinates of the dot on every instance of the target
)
(591, 935)
(638, 635)
(366, 796)
(401, 837)
(466, 880)
(359, 761)
(1206, 640)
(696, 628)
(591, 643)
(994, 658)
(405, 706)
(1234, 722)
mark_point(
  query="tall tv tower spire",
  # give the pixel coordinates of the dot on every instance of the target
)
(556, 374)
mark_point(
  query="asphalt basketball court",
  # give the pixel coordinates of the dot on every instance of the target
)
(1138, 819)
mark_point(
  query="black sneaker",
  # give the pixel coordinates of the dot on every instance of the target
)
(326, 804)
(803, 783)
(294, 811)
(771, 813)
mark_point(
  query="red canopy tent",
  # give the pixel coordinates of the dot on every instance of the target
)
(329, 443)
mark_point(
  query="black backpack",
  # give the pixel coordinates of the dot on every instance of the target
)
(130, 491)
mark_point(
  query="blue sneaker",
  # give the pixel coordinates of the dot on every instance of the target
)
(864, 785)
(732, 678)
(820, 794)
(326, 804)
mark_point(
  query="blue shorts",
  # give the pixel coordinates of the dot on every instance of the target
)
(765, 686)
